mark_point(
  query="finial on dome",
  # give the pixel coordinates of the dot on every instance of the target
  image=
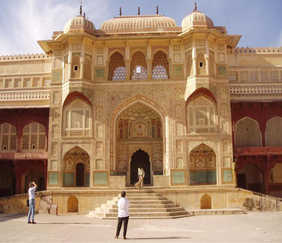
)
(196, 7)
(80, 9)
(157, 10)
(139, 11)
(120, 11)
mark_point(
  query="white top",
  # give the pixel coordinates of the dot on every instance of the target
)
(31, 192)
(123, 205)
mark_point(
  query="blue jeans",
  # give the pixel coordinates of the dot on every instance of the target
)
(31, 210)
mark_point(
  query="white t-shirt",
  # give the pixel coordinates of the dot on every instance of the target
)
(123, 205)
(31, 192)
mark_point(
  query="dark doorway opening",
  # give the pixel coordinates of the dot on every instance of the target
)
(140, 159)
(80, 174)
(241, 181)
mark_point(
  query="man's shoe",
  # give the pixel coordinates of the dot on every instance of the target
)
(124, 238)
(29, 222)
(33, 222)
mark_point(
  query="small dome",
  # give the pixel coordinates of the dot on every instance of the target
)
(196, 19)
(134, 24)
(79, 24)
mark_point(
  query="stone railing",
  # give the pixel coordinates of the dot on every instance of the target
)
(266, 50)
(255, 90)
(27, 57)
(24, 95)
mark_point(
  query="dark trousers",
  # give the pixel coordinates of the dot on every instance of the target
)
(125, 223)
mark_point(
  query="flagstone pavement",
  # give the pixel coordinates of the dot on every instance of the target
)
(253, 227)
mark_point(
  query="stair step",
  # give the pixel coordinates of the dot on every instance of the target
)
(133, 210)
(146, 205)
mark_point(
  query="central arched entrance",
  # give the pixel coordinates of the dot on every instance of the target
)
(140, 159)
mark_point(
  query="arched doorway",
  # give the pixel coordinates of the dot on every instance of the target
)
(80, 174)
(140, 159)
(76, 168)
(72, 204)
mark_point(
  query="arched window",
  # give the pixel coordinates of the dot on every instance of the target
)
(202, 165)
(138, 67)
(117, 70)
(273, 132)
(247, 133)
(77, 119)
(201, 115)
(8, 137)
(160, 66)
(34, 137)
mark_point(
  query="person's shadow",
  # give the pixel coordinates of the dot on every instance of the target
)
(160, 238)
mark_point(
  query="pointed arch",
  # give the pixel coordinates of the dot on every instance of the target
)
(149, 127)
(8, 137)
(160, 66)
(72, 159)
(273, 132)
(138, 66)
(202, 165)
(201, 112)
(247, 133)
(117, 70)
(77, 116)
(34, 137)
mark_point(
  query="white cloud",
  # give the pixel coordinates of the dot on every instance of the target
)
(36, 20)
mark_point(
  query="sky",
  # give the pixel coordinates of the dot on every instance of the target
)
(24, 22)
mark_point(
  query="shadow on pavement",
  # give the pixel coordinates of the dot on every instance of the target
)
(160, 238)
(62, 223)
(6, 217)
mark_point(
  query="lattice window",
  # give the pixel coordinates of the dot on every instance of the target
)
(119, 73)
(117, 70)
(247, 133)
(138, 67)
(78, 120)
(34, 137)
(265, 76)
(253, 76)
(8, 137)
(201, 116)
(160, 66)
(202, 165)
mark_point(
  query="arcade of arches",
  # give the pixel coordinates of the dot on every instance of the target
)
(23, 149)
(258, 143)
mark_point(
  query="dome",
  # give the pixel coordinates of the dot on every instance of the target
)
(145, 23)
(79, 24)
(196, 19)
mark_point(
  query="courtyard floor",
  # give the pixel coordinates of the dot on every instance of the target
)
(250, 228)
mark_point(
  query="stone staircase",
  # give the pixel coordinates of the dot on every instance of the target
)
(143, 205)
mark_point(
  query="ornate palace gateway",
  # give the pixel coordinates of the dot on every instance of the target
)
(181, 102)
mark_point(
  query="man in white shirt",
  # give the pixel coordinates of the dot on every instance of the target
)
(123, 216)
(31, 197)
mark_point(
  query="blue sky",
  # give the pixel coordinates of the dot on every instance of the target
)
(23, 22)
